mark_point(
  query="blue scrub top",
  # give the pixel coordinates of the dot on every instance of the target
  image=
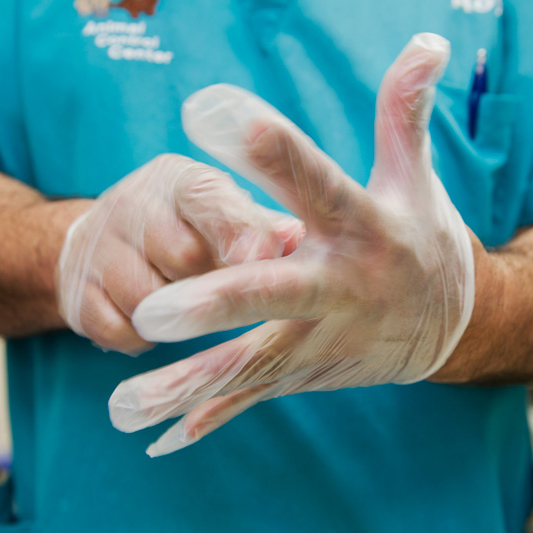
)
(88, 96)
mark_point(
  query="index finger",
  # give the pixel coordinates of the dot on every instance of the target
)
(253, 138)
(232, 226)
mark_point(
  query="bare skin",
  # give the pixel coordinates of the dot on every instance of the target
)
(116, 275)
(495, 349)
(497, 346)
(32, 232)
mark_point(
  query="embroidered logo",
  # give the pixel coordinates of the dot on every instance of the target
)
(479, 6)
(100, 8)
(127, 41)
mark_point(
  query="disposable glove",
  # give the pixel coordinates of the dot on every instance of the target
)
(380, 290)
(170, 219)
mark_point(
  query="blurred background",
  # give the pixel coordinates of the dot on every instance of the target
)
(5, 430)
(5, 433)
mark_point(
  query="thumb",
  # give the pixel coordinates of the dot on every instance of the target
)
(404, 105)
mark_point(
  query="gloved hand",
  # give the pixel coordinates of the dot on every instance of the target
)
(168, 220)
(380, 290)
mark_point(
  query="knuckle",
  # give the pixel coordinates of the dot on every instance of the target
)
(102, 332)
(169, 160)
(199, 181)
(332, 201)
(192, 256)
(273, 150)
(105, 331)
(190, 259)
(88, 324)
(169, 166)
(137, 295)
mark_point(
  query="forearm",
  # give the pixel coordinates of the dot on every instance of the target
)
(32, 231)
(497, 346)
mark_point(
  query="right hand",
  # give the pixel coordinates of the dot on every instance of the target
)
(170, 219)
(380, 290)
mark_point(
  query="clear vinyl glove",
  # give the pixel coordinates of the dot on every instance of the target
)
(170, 219)
(380, 290)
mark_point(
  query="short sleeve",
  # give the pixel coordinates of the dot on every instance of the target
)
(14, 155)
(521, 83)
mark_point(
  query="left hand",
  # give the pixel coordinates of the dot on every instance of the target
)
(380, 290)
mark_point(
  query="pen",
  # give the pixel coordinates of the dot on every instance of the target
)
(479, 86)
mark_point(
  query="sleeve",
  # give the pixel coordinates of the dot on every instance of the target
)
(526, 216)
(519, 21)
(15, 158)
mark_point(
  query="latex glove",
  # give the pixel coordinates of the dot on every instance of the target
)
(380, 290)
(170, 219)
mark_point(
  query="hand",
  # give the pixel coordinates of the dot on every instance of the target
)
(171, 219)
(380, 290)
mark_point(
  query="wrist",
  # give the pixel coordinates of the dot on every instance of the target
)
(33, 236)
(478, 355)
(60, 216)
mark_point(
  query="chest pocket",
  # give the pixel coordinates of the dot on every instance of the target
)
(471, 169)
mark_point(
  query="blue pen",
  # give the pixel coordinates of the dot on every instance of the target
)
(479, 86)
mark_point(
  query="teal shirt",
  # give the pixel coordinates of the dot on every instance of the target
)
(79, 110)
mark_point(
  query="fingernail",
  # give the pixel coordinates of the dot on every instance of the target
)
(152, 451)
(420, 74)
(124, 411)
(428, 55)
(172, 440)
(431, 41)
